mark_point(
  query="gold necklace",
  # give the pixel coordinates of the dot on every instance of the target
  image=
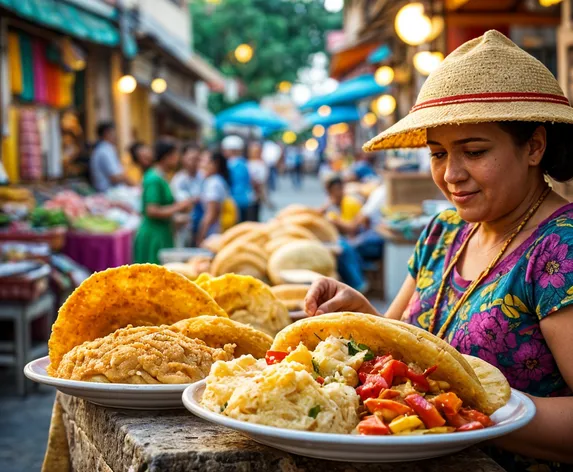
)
(482, 276)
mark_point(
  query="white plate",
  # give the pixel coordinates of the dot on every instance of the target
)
(352, 448)
(130, 396)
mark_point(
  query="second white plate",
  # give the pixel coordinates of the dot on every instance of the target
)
(129, 396)
(519, 411)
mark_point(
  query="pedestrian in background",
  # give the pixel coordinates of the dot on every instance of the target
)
(242, 192)
(106, 170)
(159, 208)
(259, 173)
(215, 192)
(271, 154)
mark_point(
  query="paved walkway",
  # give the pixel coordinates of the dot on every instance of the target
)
(24, 422)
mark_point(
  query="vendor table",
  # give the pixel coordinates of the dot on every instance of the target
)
(100, 251)
(94, 438)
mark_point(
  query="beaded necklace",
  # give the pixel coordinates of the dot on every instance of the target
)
(482, 276)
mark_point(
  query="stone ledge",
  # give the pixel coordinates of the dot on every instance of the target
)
(105, 440)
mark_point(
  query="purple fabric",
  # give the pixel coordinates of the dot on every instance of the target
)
(98, 252)
(40, 70)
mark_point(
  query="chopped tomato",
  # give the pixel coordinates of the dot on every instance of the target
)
(372, 367)
(372, 387)
(448, 402)
(474, 415)
(274, 357)
(393, 369)
(388, 394)
(320, 380)
(425, 410)
(372, 425)
(471, 426)
(388, 409)
(455, 419)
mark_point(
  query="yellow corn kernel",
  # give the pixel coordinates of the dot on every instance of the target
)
(405, 423)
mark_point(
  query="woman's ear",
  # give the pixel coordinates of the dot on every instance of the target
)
(537, 145)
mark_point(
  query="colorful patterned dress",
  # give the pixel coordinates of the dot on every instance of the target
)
(500, 321)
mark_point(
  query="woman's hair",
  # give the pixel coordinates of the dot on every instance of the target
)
(190, 147)
(557, 162)
(163, 148)
(134, 149)
(221, 164)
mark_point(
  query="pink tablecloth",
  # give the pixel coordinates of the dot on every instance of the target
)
(100, 251)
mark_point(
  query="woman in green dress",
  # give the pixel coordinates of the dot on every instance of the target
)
(159, 207)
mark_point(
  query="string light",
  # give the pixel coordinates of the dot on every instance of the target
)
(384, 75)
(127, 84)
(412, 25)
(243, 53)
(311, 144)
(369, 119)
(384, 105)
(289, 137)
(324, 110)
(318, 131)
(427, 62)
(159, 85)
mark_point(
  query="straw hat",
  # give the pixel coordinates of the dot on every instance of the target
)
(486, 79)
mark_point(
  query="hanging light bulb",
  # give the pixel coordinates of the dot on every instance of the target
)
(549, 3)
(289, 137)
(159, 85)
(311, 144)
(412, 25)
(384, 75)
(324, 110)
(243, 53)
(369, 119)
(127, 84)
(384, 105)
(284, 86)
(318, 131)
(427, 62)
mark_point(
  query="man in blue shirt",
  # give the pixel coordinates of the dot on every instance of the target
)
(241, 186)
(105, 167)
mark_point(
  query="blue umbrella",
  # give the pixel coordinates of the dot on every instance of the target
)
(250, 114)
(347, 92)
(380, 55)
(337, 115)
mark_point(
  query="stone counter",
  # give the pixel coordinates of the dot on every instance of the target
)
(104, 440)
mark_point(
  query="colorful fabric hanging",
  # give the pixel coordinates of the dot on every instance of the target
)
(10, 147)
(53, 83)
(27, 61)
(15, 64)
(55, 164)
(40, 72)
(67, 81)
(30, 146)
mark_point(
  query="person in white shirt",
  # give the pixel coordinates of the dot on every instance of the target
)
(259, 173)
(187, 182)
(271, 154)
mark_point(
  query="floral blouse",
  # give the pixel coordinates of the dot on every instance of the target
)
(500, 321)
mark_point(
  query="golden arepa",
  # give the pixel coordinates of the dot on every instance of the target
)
(487, 79)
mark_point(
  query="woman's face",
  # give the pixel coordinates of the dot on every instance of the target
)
(172, 161)
(145, 157)
(481, 170)
(207, 165)
(190, 159)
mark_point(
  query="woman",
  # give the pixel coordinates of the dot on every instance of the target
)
(494, 277)
(259, 173)
(159, 207)
(215, 194)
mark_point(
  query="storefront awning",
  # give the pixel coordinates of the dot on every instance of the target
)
(337, 115)
(71, 20)
(381, 54)
(345, 60)
(250, 114)
(350, 91)
(188, 108)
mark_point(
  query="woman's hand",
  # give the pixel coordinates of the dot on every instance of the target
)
(327, 295)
